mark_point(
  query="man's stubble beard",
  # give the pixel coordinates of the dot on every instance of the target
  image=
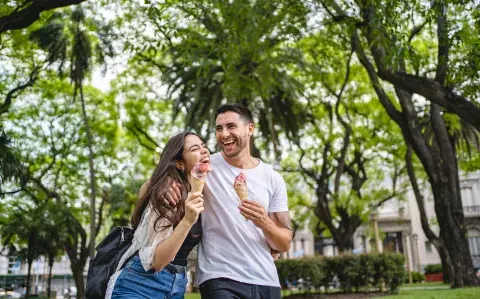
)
(240, 143)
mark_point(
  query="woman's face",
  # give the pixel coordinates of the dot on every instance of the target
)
(194, 151)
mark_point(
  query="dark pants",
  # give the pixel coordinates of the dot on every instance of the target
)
(224, 288)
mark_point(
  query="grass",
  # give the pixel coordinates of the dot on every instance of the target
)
(192, 296)
(414, 291)
(466, 293)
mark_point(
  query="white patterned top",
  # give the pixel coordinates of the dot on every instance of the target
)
(145, 241)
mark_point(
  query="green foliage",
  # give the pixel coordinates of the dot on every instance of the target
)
(122, 201)
(416, 277)
(10, 167)
(433, 269)
(353, 272)
(238, 51)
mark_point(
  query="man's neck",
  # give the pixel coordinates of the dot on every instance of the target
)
(243, 160)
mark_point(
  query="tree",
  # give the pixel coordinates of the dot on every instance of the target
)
(21, 14)
(388, 51)
(344, 152)
(236, 51)
(53, 235)
(55, 158)
(71, 43)
(22, 229)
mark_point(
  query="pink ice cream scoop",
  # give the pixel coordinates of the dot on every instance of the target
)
(199, 173)
(240, 185)
(200, 170)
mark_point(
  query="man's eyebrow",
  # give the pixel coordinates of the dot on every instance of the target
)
(226, 125)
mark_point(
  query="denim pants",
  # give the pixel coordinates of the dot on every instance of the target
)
(134, 283)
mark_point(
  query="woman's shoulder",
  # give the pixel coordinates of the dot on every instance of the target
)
(144, 188)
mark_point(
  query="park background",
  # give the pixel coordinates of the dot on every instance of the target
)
(369, 109)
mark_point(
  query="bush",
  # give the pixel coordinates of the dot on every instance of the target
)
(352, 272)
(416, 277)
(433, 269)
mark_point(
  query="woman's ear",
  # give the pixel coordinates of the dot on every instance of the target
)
(179, 165)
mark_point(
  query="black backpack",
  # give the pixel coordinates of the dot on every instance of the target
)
(105, 262)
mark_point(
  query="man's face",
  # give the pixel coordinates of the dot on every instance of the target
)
(233, 133)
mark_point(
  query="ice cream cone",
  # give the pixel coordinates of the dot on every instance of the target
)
(197, 184)
(242, 193)
(240, 186)
(198, 175)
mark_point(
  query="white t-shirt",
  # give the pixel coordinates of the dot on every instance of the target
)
(232, 247)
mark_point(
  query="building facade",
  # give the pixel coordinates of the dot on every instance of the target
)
(401, 230)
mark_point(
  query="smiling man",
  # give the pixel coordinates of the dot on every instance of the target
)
(234, 259)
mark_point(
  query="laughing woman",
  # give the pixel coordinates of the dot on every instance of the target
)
(164, 235)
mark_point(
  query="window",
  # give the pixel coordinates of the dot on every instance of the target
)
(428, 246)
(474, 243)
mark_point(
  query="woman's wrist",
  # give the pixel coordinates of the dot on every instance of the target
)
(186, 222)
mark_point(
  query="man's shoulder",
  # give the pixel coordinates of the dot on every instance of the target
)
(271, 173)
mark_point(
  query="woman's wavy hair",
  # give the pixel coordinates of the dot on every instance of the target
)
(162, 178)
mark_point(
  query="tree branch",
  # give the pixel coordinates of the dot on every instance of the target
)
(443, 42)
(435, 92)
(23, 18)
(418, 195)
(15, 91)
(139, 138)
(105, 195)
(382, 96)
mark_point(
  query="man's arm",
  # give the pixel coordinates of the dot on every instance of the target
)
(275, 226)
(171, 196)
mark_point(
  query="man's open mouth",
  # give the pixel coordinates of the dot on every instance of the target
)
(229, 144)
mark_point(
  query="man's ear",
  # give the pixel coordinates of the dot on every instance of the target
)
(179, 165)
(250, 129)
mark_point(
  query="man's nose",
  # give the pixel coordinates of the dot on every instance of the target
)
(225, 133)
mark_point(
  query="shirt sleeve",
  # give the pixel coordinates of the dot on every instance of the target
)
(279, 201)
(154, 238)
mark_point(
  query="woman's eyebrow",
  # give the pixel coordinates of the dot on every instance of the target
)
(192, 146)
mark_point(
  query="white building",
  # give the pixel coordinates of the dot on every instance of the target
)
(401, 230)
(13, 273)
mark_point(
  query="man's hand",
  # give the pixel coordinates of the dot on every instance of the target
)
(171, 195)
(275, 254)
(256, 213)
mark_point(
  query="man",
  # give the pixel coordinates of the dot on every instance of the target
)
(234, 259)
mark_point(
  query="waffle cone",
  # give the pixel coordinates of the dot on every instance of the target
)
(197, 184)
(242, 193)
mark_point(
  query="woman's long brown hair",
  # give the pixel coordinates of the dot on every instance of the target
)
(162, 178)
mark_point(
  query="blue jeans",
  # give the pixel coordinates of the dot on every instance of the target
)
(133, 282)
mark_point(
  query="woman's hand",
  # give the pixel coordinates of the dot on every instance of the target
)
(193, 207)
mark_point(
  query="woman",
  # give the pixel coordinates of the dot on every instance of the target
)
(164, 235)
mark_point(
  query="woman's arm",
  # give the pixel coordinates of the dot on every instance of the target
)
(166, 251)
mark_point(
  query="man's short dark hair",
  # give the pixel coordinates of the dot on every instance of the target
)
(241, 110)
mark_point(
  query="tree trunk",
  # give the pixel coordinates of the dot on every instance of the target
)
(432, 237)
(447, 267)
(453, 234)
(77, 272)
(93, 189)
(49, 283)
(29, 278)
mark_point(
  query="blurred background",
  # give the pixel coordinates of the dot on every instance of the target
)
(369, 109)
